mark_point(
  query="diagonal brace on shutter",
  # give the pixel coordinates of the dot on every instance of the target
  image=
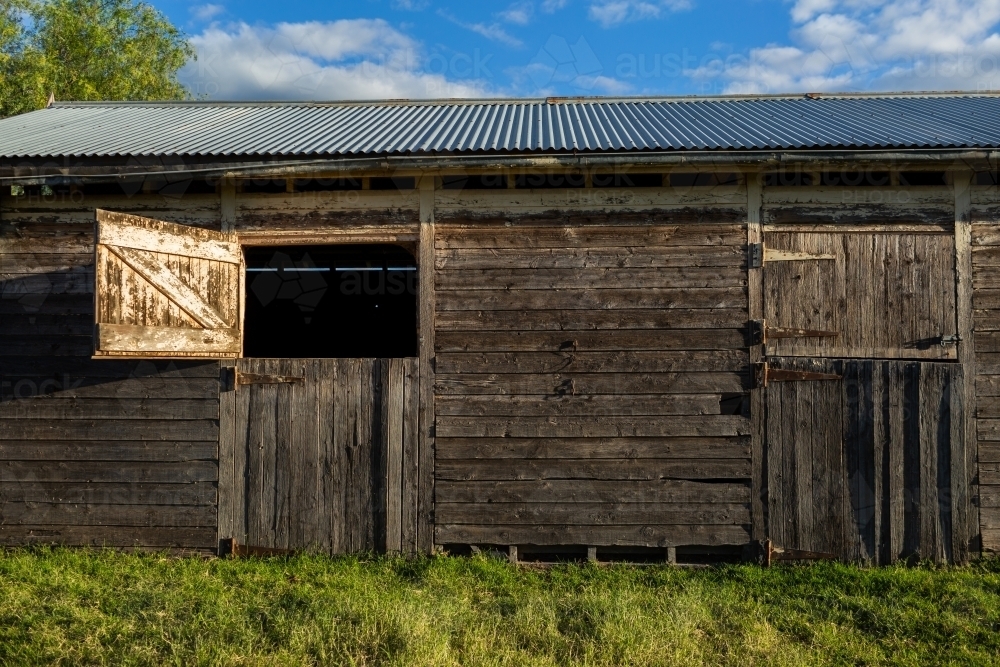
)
(170, 286)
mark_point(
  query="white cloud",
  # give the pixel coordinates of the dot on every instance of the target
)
(410, 5)
(492, 31)
(347, 59)
(206, 12)
(552, 6)
(610, 13)
(519, 13)
(879, 44)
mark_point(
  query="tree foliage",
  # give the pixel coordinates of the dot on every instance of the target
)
(87, 50)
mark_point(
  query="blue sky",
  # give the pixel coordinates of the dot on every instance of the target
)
(420, 48)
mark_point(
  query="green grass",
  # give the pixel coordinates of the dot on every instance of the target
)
(67, 606)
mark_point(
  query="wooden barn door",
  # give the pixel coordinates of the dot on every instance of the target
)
(864, 434)
(323, 453)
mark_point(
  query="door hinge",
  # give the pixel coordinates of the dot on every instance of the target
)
(258, 378)
(762, 374)
(755, 255)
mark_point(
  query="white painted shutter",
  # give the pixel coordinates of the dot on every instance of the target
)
(166, 290)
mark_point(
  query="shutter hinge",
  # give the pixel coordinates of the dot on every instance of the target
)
(762, 374)
(755, 255)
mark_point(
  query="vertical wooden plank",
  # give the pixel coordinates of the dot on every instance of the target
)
(425, 466)
(806, 441)
(394, 457)
(379, 452)
(914, 459)
(776, 520)
(241, 462)
(927, 414)
(959, 482)
(896, 444)
(227, 449)
(409, 463)
(880, 462)
(332, 485)
(968, 525)
(227, 203)
(759, 502)
(285, 477)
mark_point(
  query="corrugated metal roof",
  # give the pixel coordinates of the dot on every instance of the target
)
(504, 126)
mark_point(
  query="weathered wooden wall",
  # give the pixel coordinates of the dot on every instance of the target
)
(584, 361)
(986, 318)
(95, 452)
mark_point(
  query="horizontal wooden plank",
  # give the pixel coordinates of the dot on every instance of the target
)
(49, 345)
(114, 493)
(593, 299)
(127, 340)
(620, 278)
(986, 277)
(129, 231)
(100, 514)
(983, 256)
(732, 361)
(988, 406)
(49, 407)
(988, 363)
(45, 303)
(85, 368)
(568, 258)
(991, 540)
(590, 341)
(86, 450)
(590, 469)
(989, 452)
(590, 384)
(70, 241)
(182, 430)
(989, 496)
(989, 473)
(46, 325)
(591, 514)
(592, 448)
(55, 262)
(988, 385)
(584, 320)
(590, 236)
(591, 491)
(985, 300)
(553, 426)
(159, 537)
(75, 281)
(533, 406)
(634, 536)
(989, 518)
(988, 429)
(17, 472)
(69, 386)
(665, 203)
(985, 235)
(987, 341)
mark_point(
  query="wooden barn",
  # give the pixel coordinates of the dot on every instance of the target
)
(608, 328)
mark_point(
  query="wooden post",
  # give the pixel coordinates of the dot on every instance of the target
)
(755, 312)
(425, 456)
(592, 554)
(512, 553)
(965, 516)
(672, 555)
(227, 204)
(226, 507)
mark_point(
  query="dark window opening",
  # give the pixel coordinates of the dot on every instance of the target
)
(703, 180)
(264, 185)
(918, 178)
(984, 178)
(330, 301)
(475, 182)
(627, 180)
(393, 183)
(326, 184)
(854, 179)
(549, 181)
(784, 178)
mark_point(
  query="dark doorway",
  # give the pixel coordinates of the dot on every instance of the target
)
(330, 301)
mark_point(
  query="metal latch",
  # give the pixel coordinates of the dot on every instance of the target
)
(951, 339)
(755, 255)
